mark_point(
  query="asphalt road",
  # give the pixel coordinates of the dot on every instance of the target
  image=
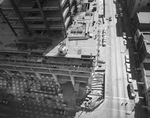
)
(117, 103)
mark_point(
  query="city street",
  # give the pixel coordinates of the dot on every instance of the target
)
(60, 87)
(117, 103)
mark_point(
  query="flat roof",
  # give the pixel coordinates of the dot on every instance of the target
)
(144, 17)
(76, 47)
(147, 44)
(79, 47)
(147, 74)
(82, 45)
(147, 79)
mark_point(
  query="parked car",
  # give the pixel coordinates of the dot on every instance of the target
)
(110, 18)
(121, 14)
(116, 15)
(127, 59)
(120, 8)
(124, 35)
(128, 67)
(129, 77)
(104, 43)
(131, 91)
(104, 37)
(125, 42)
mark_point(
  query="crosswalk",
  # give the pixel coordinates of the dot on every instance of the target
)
(95, 97)
(97, 86)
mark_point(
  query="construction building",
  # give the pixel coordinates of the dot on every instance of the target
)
(37, 17)
(49, 59)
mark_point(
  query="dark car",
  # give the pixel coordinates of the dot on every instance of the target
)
(120, 8)
(116, 15)
(131, 91)
(110, 18)
(121, 14)
(114, 1)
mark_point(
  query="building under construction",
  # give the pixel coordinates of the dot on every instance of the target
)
(47, 55)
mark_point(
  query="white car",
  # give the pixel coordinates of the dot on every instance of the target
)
(129, 77)
(114, 1)
(128, 67)
(103, 44)
(119, 6)
(131, 91)
(104, 32)
(104, 37)
(116, 15)
(127, 59)
(124, 35)
(125, 42)
(121, 14)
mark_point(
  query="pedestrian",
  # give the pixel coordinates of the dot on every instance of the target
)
(121, 104)
(133, 110)
(126, 104)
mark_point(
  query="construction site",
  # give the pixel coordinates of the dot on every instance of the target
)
(50, 64)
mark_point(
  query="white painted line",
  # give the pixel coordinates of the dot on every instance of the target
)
(116, 110)
(116, 97)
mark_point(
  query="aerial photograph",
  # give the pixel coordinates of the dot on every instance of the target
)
(74, 58)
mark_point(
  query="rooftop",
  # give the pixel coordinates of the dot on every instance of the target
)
(82, 42)
(144, 17)
(78, 43)
(147, 79)
(147, 40)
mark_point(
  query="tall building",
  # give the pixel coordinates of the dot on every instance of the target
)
(136, 5)
(38, 17)
(48, 59)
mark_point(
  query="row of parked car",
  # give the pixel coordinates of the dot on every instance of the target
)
(120, 11)
(130, 87)
(104, 38)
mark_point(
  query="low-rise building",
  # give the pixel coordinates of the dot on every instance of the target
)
(143, 55)
(136, 6)
(141, 25)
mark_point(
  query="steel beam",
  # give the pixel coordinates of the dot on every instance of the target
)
(8, 22)
(20, 17)
(27, 9)
(35, 18)
(40, 27)
(43, 16)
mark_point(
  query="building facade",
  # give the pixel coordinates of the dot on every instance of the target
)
(38, 17)
(143, 64)
(136, 5)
